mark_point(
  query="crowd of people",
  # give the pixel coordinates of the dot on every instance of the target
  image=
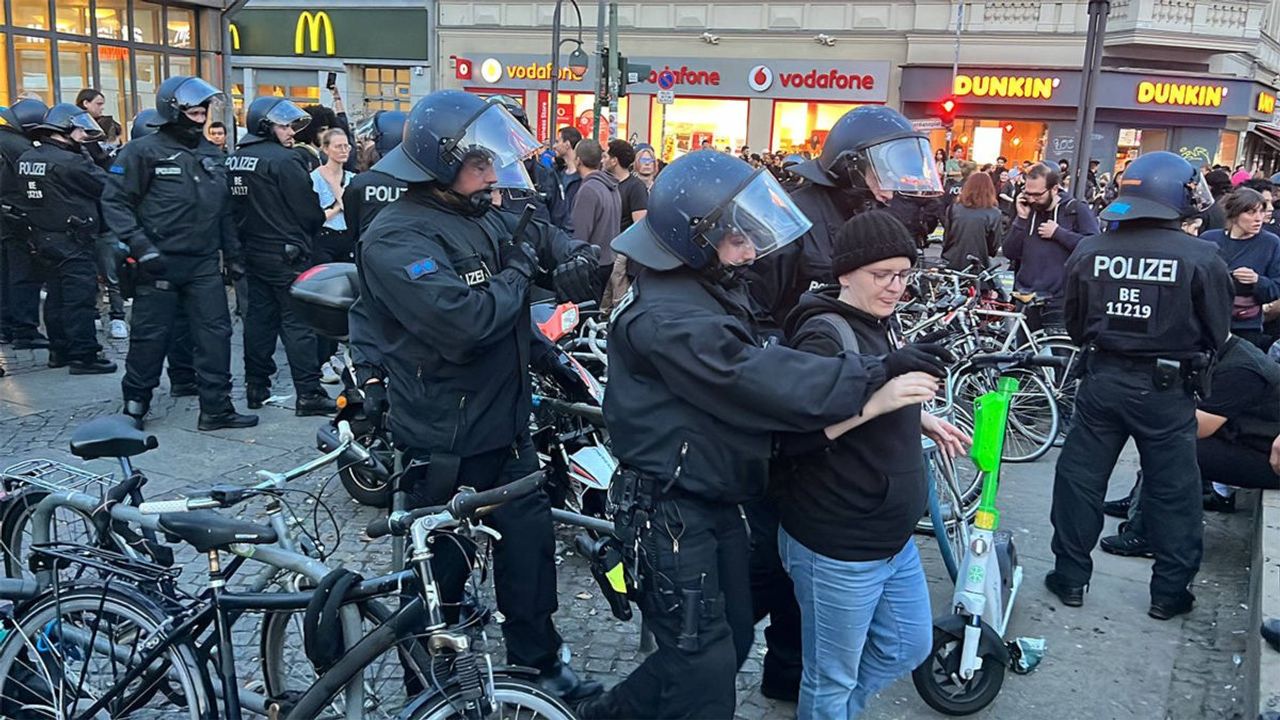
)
(753, 362)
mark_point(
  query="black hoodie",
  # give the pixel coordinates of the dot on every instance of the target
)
(856, 498)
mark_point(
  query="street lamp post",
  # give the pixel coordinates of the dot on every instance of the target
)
(577, 62)
(1098, 11)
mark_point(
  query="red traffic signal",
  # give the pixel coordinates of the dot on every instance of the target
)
(947, 111)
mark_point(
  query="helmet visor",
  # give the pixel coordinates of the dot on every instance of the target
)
(1201, 197)
(195, 92)
(84, 121)
(367, 129)
(286, 113)
(905, 166)
(513, 176)
(499, 136)
(763, 214)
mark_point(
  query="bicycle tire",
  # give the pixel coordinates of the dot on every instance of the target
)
(1033, 421)
(1064, 382)
(131, 618)
(510, 692)
(15, 529)
(362, 485)
(968, 483)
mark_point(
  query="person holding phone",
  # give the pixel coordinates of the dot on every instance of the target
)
(333, 244)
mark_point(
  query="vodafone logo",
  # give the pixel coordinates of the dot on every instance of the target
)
(462, 68)
(760, 78)
(491, 70)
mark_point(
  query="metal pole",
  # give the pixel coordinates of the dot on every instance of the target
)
(615, 72)
(229, 110)
(555, 73)
(1098, 11)
(600, 55)
(662, 138)
(955, 68)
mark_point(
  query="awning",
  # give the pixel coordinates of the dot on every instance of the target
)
(1268, 134)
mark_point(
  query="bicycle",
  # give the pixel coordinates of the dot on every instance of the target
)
(150, 650)
(965, 669)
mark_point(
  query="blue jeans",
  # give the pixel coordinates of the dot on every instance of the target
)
(863, 624)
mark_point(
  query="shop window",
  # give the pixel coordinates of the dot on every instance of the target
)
(182, 65)
(298, 94)
(4, 67)
(75, 70)
(1228, 149)
(3, 19)
(149, 77)
(691, 122)
(116, 81)
(72, 17)
(181, 27)
(112, 19)
(34, 66)
(578, 110)
(386, 89)
(985, 140)
(237, 102)
(146, 23)
(31, 14)
(800, 127)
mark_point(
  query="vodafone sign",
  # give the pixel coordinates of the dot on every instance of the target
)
(760, 78)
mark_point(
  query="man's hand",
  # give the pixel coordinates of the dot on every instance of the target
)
(930, 358)
(1275, 455)
(951, 440)
(235, 268)
(576, 278)
(1248, 276)
(912, 388)
(375, 401)
(520, 257)
(1023, 207)
(1047, 229)
(152, 263)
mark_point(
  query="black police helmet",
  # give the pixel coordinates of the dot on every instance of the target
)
(180, 93)
(9, 119)
(266, 112)
(446, 127)
(388, 130)
(29, 112)
(703, 198)
(63, 118)
(144, 124)
(1160, 186)
(513, 106)
(847, 155)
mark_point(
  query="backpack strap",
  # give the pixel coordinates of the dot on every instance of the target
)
(848, 340)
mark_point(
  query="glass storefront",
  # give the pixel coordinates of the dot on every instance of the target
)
(53, 49)
(692, 121)
(387, 88)
(578, 110)
(982, 141)
(801, 127)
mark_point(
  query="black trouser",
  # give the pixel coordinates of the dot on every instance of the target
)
(108, 268)
(194, 289)
(694, 551)
(270, 316)
(772, 595)
(524, 560)
(180, 358)
(20, 283)
(66, 262)
(1117, 400)
(331, 246)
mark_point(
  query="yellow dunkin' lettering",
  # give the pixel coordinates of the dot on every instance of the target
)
(1161, 93)
(310, 25)
(1006, 86)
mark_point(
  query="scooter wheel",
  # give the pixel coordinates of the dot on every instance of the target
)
(938, 682)
(364, 486)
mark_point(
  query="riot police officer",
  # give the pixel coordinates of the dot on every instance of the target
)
(871, 154)
(60, 195)
(445, 281)
(1150, 305)
(372, 190)
(19, 281)
(166, 199)
(278, 215)
(694, 398)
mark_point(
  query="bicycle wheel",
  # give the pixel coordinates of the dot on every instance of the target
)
(69, 525)
(1033, 420)
(68, 651)
(512, 698)
(1063, 381)
(959, 486)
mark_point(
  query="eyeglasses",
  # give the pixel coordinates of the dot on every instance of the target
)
(885, 278)
(1042, 193)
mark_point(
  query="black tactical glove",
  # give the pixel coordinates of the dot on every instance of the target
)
(576, 279)
(152, 263)
(375, 402)
(929, 358)
(235, 268)
(520, 257)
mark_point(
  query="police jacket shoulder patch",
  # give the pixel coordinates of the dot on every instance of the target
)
(419, 268)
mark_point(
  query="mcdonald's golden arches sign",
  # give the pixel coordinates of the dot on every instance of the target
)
(390, 33)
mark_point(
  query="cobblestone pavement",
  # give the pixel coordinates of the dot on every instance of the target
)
(1105, 660)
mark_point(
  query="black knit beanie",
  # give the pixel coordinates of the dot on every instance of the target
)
(870, 237)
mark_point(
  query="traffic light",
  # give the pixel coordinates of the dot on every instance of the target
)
(947, 111)
(630, 73)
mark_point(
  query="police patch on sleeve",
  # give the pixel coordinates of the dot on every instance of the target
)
(116, 170)
(419, 268)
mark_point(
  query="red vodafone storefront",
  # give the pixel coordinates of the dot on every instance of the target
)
(774, 104)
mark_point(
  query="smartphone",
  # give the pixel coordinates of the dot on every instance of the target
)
(331, 82)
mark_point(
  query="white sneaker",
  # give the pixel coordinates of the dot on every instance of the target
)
(97, 324)
(119, 331)
(328, 376)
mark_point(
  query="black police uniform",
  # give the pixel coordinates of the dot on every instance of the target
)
(366, 196)
(19, 281)
(61, 188)
(1150, 304)
(693, 399)
(456, 329)
(167, 193)
(278, 216)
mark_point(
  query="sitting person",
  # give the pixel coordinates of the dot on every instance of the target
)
(1235, 427)
(850, 496)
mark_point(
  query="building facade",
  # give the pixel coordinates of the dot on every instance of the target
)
(51, 49)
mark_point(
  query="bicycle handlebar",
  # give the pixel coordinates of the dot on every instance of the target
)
(1023, 359)
(590, 413)
(465, 504)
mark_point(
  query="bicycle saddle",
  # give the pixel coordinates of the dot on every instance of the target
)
(111, 437)
(206, 530)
